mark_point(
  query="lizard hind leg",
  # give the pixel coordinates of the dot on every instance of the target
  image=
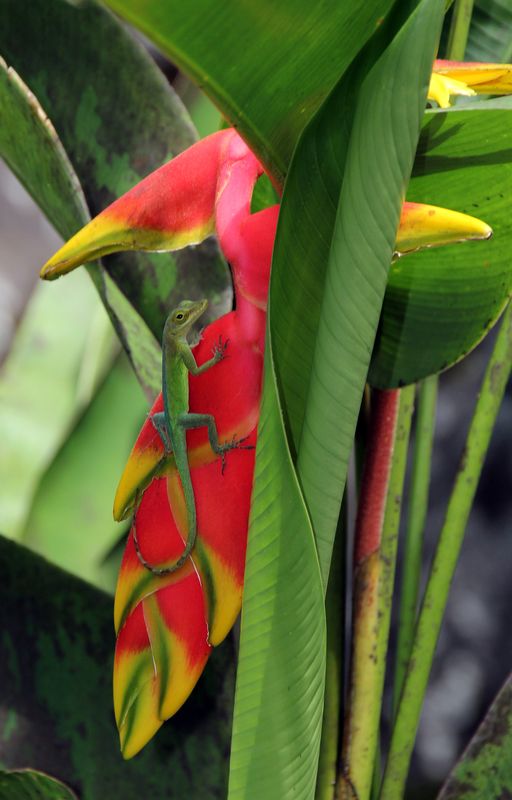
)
(188, 421)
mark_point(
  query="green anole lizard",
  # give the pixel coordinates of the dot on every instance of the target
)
(173, 422)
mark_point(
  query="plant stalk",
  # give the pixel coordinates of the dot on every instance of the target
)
(459, 29)
(418, 504)
(445, 561)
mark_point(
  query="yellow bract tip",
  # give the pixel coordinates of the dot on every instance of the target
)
(140, 469)
(140, 725)
(431, 226)
(99, 237)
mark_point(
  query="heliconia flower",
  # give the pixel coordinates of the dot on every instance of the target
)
(467, 78)
(166, 625)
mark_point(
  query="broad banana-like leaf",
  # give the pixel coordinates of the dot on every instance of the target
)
(56, 694)
(327, 288)
(440, 304)
(65, 335)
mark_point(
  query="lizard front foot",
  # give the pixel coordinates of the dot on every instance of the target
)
(219, 349)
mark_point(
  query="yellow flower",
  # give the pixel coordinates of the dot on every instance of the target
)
(467, 79)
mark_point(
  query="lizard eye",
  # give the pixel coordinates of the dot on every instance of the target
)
(180, 315)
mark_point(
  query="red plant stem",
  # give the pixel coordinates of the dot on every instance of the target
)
(375, 478)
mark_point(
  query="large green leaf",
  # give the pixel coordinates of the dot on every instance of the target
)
(485, 770)
(334, 244)
(70, 521)
(268, 66)
(118, 119)
(26, 784)
(280, 678)
(56, 695)
(439, 304)
(281, 669)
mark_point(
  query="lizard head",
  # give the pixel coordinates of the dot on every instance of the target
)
(180, 321)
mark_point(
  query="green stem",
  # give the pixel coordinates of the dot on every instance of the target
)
(418, 503)
(377, 774)
(445, 561)
(459, 30)
(335, 611)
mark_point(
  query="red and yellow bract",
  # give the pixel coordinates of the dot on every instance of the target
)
(180, 633)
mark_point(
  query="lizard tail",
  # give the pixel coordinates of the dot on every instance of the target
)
(186, 482)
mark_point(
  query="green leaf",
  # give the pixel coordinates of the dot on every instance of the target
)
(59, 327)
(70, 521)
(334, 244)
(490, 37)
(264, 194)
(267, 66)
(65, 343)
(280, 677)
(32, 149)
(439, 304)
(56, 695)
(26, 784)
(485, 769)
(118, 119)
